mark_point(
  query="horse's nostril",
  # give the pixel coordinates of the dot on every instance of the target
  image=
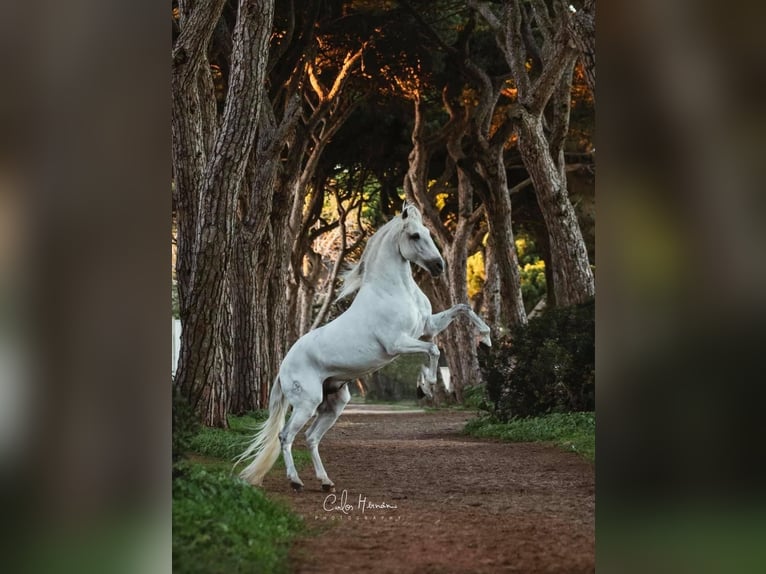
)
(436, 267)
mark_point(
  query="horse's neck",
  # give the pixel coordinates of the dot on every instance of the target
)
(389, 267)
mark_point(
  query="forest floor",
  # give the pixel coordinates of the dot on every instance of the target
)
(440, 502)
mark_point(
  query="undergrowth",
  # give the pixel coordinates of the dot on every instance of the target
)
(223, 525)
(227, 444)
(220, 523)
(571, 431)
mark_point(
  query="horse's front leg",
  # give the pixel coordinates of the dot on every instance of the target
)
(438, 322)
(406, 344)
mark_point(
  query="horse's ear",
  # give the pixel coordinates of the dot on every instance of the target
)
(404, 212)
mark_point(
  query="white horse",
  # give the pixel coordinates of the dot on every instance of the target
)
(388, 317)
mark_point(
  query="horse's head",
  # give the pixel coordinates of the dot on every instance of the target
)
(416, 244)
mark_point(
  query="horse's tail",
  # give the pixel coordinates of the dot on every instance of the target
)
(265, 446)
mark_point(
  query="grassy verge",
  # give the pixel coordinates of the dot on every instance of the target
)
(221, 524)
(227, 444)
(401, 405)
(571, 431)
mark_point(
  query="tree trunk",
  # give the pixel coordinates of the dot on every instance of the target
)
(458, 339)
(497, 200)
(212, 183)
(245, 376)
(491, 299)
(572, 276)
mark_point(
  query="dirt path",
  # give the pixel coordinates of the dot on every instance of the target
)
(462, 505)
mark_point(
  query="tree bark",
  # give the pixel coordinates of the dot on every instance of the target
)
(572, 276)
(497, 200)
(207, 188)
(491, 299)
(582, 25)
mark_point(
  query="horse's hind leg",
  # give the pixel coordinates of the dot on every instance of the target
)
(304, 405)
(327, 414)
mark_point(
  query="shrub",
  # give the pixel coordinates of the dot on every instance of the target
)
(546, 366)
(475, 397)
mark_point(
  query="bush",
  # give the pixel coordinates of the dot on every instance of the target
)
(546, 366)
(221, 524)
(475, 397)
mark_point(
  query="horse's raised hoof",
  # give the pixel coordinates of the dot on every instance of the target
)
(297, 486)
(328, 487)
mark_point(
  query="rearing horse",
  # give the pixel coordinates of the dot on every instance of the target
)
(388, 318)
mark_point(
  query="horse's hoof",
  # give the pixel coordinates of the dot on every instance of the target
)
(297, 486)
(328, 487)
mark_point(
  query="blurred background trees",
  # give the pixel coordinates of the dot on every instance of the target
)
(300, 126)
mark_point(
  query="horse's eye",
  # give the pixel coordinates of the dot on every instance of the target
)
(415, 236)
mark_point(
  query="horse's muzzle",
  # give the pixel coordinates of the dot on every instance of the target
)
(436, 267)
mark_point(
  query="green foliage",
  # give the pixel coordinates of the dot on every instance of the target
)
(223, 525)
(396, 381)
(227, 444)
(185, 425)
(475, 397)
(545, 366)
(219, 443)
(572, 431)
(533, 285)
(531, 271)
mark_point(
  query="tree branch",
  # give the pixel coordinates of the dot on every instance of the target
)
(527, 182)
(415, 183)
(515, 52)
(562, 58)
(315, 84)
(348, 63)
(342, 213)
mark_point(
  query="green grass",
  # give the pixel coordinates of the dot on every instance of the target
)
(402, 405)
(574, 432)
(227, 444)
(220, 523)
(223, 525)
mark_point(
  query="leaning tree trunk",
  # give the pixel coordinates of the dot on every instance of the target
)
(572, 276)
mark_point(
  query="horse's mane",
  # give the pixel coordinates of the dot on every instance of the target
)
(353, 277)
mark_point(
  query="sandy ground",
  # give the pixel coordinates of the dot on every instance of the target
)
(413, 495)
